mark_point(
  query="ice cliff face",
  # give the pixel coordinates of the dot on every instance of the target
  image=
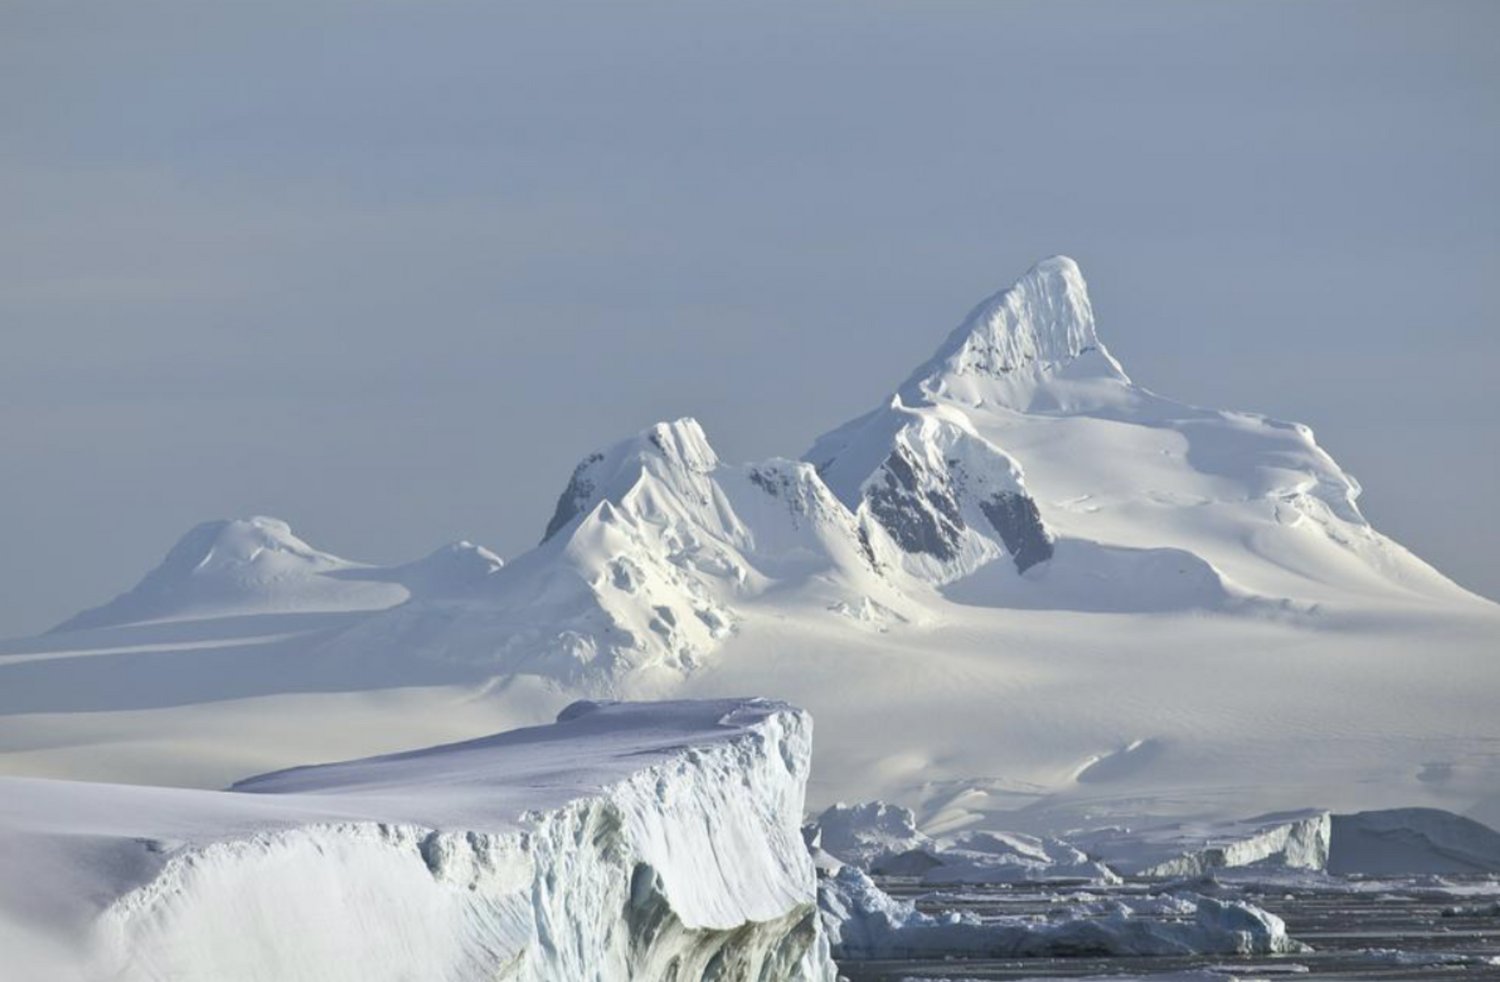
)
(626, 841)
(1296, 840)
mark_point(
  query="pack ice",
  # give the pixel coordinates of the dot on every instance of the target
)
(1021, 593)
(641, 841)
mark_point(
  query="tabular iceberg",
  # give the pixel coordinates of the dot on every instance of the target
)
(625, 841)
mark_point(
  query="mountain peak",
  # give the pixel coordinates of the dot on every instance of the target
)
(1037, 326)
(235, 542)
(683, 441)
(669, 450)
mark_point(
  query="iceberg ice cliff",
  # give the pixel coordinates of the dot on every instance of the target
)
(625, 841)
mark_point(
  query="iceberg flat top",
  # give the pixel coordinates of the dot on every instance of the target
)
(487, 784)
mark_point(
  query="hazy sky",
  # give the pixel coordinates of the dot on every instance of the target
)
(387, 270)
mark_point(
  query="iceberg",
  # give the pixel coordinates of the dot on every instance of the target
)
(624, 841)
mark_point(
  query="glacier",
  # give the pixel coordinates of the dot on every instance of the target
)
(625, 841)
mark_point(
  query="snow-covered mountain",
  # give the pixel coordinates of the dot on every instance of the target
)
(1024, 436)
(257, 566)
(1023, 592)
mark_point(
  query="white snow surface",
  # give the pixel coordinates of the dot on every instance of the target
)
(618, 842)
(1022, 594)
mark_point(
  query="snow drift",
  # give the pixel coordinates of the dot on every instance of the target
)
(625, 841)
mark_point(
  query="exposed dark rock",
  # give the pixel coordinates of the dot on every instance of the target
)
(920, 520)
(867, 548)
(577, 494)
(765, 482)
(1016, 518)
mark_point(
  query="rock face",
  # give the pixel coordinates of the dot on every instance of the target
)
(950, 500)
(626, 841)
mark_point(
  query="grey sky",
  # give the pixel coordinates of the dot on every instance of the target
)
(387, 270)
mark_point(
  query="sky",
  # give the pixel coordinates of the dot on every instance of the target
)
(388, 270)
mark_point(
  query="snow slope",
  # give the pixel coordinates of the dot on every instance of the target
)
(1023, 593)
(637, 841)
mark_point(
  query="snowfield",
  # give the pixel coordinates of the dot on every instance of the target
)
(643, 841)
(1023, 594)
